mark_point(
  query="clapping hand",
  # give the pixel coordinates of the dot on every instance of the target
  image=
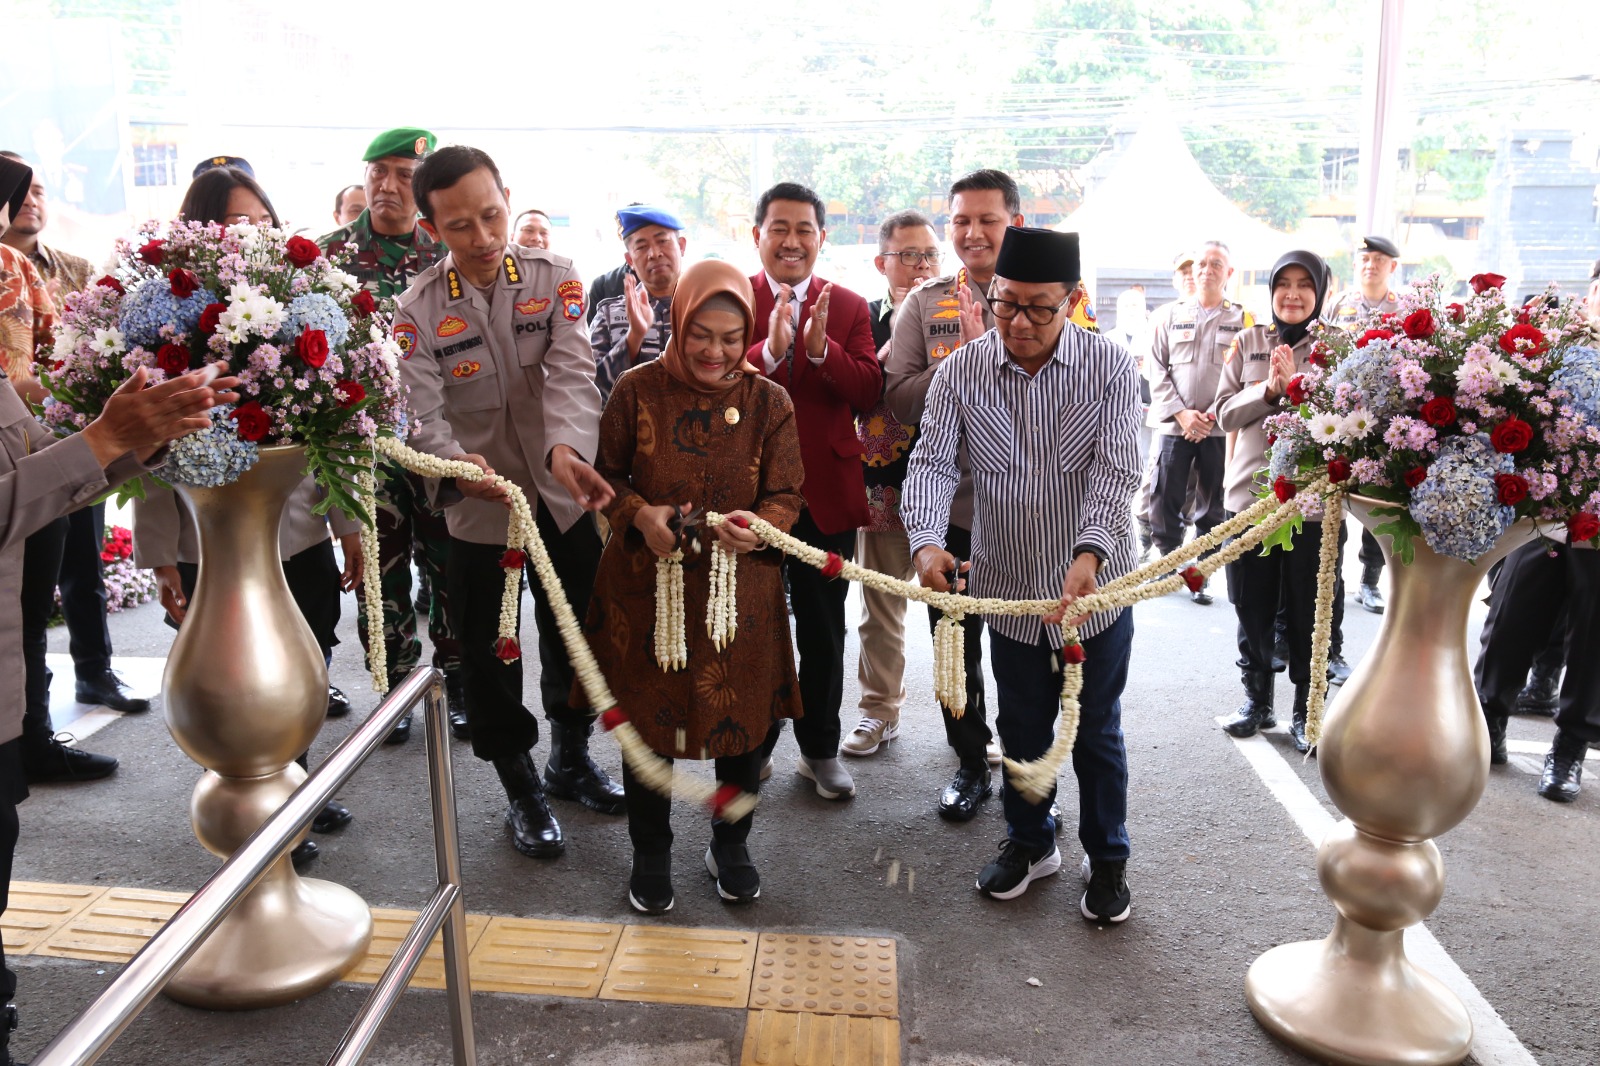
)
(817, 326)
(641, 316)
(972, 326)
(780, 326)
(1281, 370)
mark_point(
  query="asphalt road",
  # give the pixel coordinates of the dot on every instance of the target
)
(1221, 872)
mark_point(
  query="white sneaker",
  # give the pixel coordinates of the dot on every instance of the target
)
(992, 752)
(832, 779)
(869, 735)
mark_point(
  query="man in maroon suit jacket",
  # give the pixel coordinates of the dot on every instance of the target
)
(815, 339)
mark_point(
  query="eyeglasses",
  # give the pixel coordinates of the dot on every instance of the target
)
(911, 258)
(1038, 314)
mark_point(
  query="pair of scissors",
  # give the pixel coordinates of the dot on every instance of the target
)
(953, 575)
(683, 527)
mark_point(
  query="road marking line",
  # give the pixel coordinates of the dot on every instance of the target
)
(1493, 1042)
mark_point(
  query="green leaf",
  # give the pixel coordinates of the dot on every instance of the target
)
(1402, 530)
(1283, 536)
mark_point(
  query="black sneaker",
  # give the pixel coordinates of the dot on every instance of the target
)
(1008, 876)
(1107, 899)
(1563, 768)
(737, 879)
(338, 702)
(650, 885)
(54, 762)
(1338, 669)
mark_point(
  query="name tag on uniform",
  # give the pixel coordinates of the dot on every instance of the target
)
(1256, 357)
(1183, 333)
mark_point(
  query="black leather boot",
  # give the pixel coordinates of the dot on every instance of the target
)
(572, 774)
(455, 696)
(534, 829)
(1255, 713)
(1498, 756)
(1297, 724)
(402, 729)
(1543, 690)
(1563, 768)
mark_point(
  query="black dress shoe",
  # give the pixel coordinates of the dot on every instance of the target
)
(338, 702)
(106, 690)
(1338, 669)
(960, 800)
(303, 853)
(1541, 694)
(1201, 596)
(55, 762)
(1563, 769)
(401, 731)
(333, 816)
(455, 696)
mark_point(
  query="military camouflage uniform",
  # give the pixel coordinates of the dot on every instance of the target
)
(405, 518)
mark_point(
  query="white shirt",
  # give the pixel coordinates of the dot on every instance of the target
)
(800, 291)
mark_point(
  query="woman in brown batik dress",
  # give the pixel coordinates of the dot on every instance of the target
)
(697, 428)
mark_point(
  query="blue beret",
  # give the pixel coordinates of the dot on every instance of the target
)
(636, 217)
(237, 162)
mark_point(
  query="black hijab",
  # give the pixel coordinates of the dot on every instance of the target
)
(15, 181)
(1313, 265)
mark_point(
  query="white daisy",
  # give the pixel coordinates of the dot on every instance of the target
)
(1356, 425)
(1325, 426)
(110, 341)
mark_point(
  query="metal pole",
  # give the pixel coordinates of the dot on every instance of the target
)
(88, 1035)
(447, 859)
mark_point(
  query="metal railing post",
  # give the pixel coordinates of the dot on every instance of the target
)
(447, 858)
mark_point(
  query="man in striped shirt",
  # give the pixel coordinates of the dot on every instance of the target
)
(1048, 415)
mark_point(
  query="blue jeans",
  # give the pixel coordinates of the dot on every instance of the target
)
(1028, 686)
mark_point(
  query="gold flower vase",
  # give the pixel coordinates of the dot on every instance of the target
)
(1404, 754)
(245, 691)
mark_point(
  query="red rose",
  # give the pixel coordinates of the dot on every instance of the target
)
(1415, 476)
(172, 359)
(209, 317)
(1439, 411)
(1419, 324)
(1482, 283)
(1284, 489)
(251, 421)
(1339, 469)
(1512, 488)
(1374, 335)
(301, 252)
(1583, 526)
(152, 252)
(350, 392)
(1458, 312)
(513, 559)
(312, 347)
(1073, 653)
(1522, 339)
(112, 283)
(1318, 355)
(1193, 578)
(1512, 435)
(720, 799)
(184, 283)
(363, 303)
(507, 650)
(1297, 391)
(834, 566)
(612, 718)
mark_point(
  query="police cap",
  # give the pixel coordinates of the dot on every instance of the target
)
(236, 161)
(1381, 245)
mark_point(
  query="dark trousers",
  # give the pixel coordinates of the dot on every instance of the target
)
(968, 735)
(13, 790)
(41, 562)
(83, 592)
(408, 523)
(1258, 584)
(313, 579)
(650, 813)
(1371, 555)
(1027, 680)
(819, 629)
(1528, 600)
(501, 725)
(1170, 489)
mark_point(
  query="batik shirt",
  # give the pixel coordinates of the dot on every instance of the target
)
(27, 315)
(384, 265)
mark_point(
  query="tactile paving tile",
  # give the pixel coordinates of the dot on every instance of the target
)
(704, 967)
(37, 909)
(826, 975)
(543, 958)
(114, 927)
(779, 1038)
(389, 928)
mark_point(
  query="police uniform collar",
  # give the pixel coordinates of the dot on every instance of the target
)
(512, 274)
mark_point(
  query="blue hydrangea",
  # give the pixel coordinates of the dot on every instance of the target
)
(1458, 505)
(1579, 374)
(1373, 372)
(315, 310)
(151, 305)
(1284, 459)
(211, 457)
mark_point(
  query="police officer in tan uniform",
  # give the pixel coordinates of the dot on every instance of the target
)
(501, 375)
(1376, 262)
(1187, 346)
(934, 320)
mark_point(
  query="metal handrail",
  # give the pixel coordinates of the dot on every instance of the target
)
(97, 1026)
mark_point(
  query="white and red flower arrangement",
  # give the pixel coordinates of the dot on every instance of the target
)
(315, 359)
(1463, 416)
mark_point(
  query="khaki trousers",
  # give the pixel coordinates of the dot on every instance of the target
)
(883, 626)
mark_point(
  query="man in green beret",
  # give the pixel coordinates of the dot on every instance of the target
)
(385, 249)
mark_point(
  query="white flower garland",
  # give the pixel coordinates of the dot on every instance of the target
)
(950, 663)
(672, 649)
(372, 586)
(722, 606)
(1322, 624)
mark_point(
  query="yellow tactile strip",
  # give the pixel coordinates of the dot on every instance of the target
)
(815, 1000)
(827, 975)
(781, 1038)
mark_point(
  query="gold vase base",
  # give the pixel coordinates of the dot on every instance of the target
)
(1376, 1011)
(290, 937)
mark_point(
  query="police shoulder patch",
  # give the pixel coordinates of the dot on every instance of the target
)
(570, 293)
(405, 335)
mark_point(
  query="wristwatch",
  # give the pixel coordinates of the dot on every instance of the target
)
(1089, 549)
